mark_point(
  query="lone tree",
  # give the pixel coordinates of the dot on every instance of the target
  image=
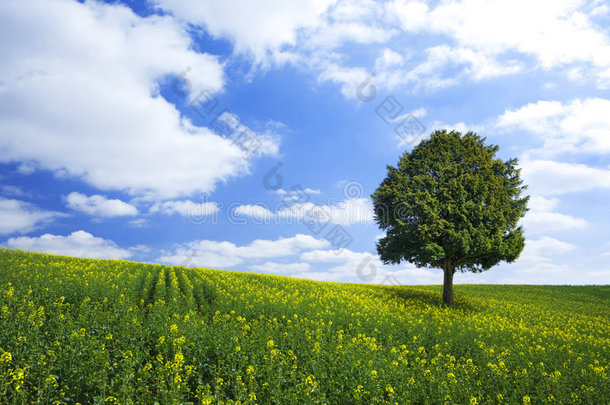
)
(451, 204)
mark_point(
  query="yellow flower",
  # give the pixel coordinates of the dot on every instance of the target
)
(310, 380)
(6, 357)
(526, 400)
(179, 341)
(473, 401)
(51, 380)
(270, 344)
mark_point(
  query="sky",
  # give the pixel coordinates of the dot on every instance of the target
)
(250, 135)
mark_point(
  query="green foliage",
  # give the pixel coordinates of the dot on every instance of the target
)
(451, 200)
(105, 331)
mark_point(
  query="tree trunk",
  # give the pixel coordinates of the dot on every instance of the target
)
(448, 271)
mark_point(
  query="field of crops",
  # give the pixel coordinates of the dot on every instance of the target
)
(99, 331)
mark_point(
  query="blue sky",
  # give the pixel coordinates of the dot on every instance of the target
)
(250, 136)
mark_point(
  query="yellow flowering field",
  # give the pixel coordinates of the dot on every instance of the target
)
(104, 331)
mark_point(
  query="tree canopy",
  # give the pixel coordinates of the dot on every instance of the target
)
(451, 204)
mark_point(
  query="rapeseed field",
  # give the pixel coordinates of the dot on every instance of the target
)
(103, 331)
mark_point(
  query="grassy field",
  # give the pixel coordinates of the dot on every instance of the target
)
(100, 331)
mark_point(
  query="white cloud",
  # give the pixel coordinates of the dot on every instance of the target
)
(306, 190)
(548, 247)
(185, 208)
(18, 216)
(330, 256)
(551, 31)
(467, 39)
(417, 113)
(291, 31)
(353, 22)
(541, 218)
(476, 65)
(304, 33)
(363, 267)
(544, 260)
(26, 168)
(330, 35)
(319, 276)
(458, 126)
(600, 10)
(542, 251)
(545, 273)
(344, 265)
(575, 126)
(208, 253)
(347, 212)
(280, 268)
(598, 277)
(205, 258)
(85, 100)
(254, 211)
(546, 177)
(99, 205)
(304, 256)
(413, 15)
(252, 144)
(12, 191)
(255, 28)
(348, 77)
(138, 223)
(79, 244)
(413, 276)
(434, 68)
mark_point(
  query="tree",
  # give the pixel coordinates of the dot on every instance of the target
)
(451, 204)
